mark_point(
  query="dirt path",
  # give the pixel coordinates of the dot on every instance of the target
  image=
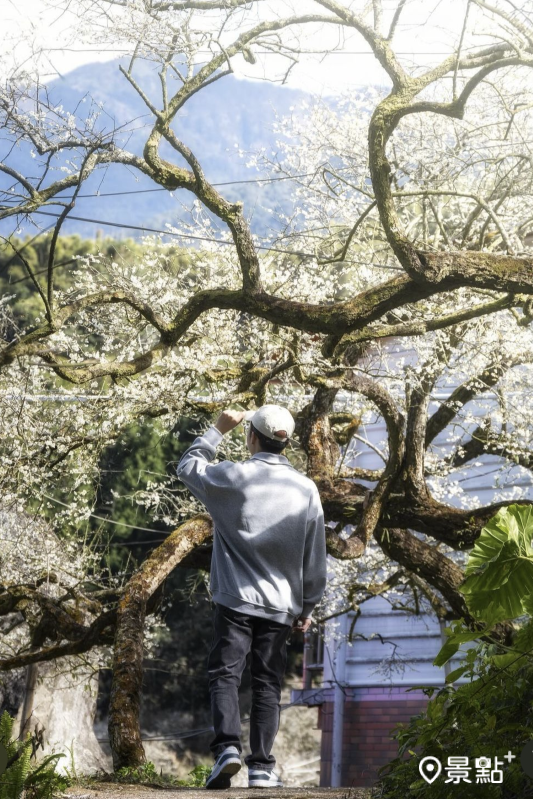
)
(113, 791)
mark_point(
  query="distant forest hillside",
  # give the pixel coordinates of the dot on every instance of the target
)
(228, 117)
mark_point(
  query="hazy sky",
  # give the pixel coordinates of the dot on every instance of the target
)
(429, 30)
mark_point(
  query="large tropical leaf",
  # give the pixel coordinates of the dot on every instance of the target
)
(499, 573)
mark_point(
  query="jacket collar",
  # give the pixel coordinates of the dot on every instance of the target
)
(271, 457)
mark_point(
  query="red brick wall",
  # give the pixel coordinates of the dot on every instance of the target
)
(370, 715)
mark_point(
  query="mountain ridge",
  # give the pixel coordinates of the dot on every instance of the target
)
(216, 124)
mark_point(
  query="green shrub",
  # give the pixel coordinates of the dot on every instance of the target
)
(147, 775)
(20, 779)
(492, 714)
(197, 777)
(486, 717)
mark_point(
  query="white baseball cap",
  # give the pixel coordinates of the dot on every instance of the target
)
(273, 421)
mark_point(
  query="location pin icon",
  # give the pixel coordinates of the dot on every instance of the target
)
(430, 768)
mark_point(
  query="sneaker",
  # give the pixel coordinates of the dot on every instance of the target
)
(226, 765)
(261, 778)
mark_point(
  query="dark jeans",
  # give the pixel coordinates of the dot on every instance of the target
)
(235, 634)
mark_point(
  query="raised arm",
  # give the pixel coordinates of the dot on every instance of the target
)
(193, 465)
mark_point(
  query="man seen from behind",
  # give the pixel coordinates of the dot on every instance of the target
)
(268, 572)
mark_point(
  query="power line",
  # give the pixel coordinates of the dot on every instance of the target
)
(178, 235)
(256, 181)
(268, 248)
(41, 271)
(122, 524)
(261, 181)
(258, 52)
(168, 233)
(290, 252)
(106, 519)
(225, 183)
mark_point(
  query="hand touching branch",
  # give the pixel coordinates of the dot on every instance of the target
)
(228, 420)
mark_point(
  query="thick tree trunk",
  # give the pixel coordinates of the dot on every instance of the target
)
(64, 706)
(124, 727)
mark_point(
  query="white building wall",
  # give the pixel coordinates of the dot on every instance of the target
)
(402, 656)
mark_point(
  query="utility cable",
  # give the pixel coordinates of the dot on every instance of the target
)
(111, 521)
(267, 248)
(256, 181)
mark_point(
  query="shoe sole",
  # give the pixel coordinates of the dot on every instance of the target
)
(265, 784)
(222, 780)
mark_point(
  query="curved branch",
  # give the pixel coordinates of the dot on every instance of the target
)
(380, 46)
(374, 505)
(340, 255)
(95, 636)
(386, 116)
(426, 562)
(485, 441)
(420, 328)
(395, 430)
(431, 565)
(335, 319)
(19, 178)
(124, 729)
(465, 393)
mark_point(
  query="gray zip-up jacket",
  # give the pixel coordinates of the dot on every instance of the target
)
(269, 542)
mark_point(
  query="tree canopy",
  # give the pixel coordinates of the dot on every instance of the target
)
(413, 224)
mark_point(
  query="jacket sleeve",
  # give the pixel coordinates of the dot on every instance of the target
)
(315, 564)
(193, 467)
